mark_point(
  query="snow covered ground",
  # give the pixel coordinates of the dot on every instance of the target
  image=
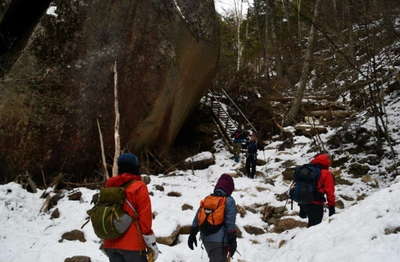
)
(365, 230)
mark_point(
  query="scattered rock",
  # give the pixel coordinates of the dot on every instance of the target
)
(282, 243)
(269, 181)
(170, 240)
(78, 259)
(159, 188)
(287, 224)
(198, 165)
(236, 175)
(241, 210)
(339, 204)
(282, 197)
(254, 230)
(367, 179)
(54, 201)
(55, 214)
(271, 214)
(185, 230)
(75, 196)
(358, 170)
(259, 174)
(261, 162)
(174, 194)
(260, 189)
(347, 198)
(392, 230)
(288, 143)
(288, 164)
(340, 162)
(310, 131)
(146, 179)
(250, 209)
(337, 173)
(361, 197)
(73, 235)
(288, 174)
(187, 207)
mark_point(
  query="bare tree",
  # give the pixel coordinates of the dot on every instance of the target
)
(238, 16)
(294, 109)
(117, 139)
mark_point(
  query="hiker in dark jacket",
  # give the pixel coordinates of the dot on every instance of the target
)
(131, 247)
(222, 244)
(251, 156)
(326, 186)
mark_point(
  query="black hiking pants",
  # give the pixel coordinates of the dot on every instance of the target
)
(119, 255)
(251, 162)
(313, 212)
(217, 252)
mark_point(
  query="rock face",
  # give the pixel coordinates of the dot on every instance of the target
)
(50, 100)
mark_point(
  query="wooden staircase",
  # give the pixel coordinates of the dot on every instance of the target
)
(225, 124)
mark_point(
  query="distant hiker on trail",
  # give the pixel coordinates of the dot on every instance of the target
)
(239, 139)
(312, 182)
(132, 245)
(215, 219)
(251, 156)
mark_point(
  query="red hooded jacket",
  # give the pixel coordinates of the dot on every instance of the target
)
(136, 193)
(326, 182)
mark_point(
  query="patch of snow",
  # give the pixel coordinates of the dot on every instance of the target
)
(52, 11)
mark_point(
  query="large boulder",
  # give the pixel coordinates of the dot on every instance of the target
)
(62, 83)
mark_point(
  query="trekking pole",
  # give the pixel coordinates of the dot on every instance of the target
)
(288, 194)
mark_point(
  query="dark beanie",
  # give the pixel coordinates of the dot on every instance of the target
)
(128, 163)
(225, 182)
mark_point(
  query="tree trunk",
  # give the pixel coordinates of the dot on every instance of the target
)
(294, 109)
(239, 19)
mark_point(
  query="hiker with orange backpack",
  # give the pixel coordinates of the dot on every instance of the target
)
(215, 219)
(139, 237)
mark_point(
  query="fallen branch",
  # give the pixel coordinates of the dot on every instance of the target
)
(330, 114)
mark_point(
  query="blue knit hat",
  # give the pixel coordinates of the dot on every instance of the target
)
(128, 163)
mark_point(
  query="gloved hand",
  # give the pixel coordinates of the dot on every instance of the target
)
(192, 237)
(151, 243)
(232, 243)
(331, 210)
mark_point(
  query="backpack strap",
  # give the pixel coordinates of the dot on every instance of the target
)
(125, 186)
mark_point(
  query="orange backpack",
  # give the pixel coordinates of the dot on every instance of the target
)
(211, 214)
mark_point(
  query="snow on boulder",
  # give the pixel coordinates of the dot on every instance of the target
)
(199, 161)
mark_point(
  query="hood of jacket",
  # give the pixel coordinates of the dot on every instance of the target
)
(323, 160)
(225, 182)
(121, 179)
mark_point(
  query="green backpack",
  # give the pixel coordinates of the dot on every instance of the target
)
(108, 219)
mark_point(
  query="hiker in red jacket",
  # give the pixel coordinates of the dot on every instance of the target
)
(131, 247)
(326, 186)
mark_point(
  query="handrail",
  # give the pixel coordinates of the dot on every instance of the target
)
(240, 111)
(220, 108)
